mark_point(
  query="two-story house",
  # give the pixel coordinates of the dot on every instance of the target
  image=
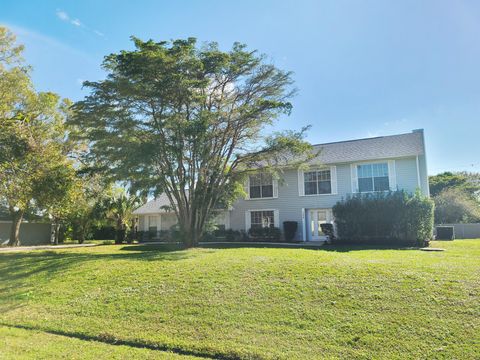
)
(307, 196)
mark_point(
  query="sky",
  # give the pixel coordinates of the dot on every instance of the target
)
(362, 68)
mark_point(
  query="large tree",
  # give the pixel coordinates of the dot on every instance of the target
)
(32, 134)
(188, 121)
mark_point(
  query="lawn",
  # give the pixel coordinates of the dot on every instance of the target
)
(241, 303)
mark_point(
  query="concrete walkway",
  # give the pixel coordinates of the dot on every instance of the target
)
(43, 247)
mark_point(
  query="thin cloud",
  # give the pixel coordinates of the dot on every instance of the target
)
(62, 15)
(76, 22)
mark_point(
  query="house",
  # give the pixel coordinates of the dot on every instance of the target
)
(385, 163)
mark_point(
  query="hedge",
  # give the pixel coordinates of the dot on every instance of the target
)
(393, 218)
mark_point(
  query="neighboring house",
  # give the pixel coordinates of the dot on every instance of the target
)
(307, 196)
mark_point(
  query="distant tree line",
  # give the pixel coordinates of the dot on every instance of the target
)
(456, 196)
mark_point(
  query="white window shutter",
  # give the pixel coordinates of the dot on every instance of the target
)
(333, 179)
(248, 219)
(301, 183)
(276, 218)
(392, 175)
(247, 188)
(275, 188)
(353, 171)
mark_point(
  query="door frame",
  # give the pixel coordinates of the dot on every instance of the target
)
(308, 222)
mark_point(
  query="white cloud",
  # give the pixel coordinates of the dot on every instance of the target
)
(62, 15)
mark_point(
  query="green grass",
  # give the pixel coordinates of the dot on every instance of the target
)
(247, 303)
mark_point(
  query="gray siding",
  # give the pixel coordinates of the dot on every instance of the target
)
(407, 177)
(290, 204)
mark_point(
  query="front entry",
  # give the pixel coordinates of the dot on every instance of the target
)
(316, 217)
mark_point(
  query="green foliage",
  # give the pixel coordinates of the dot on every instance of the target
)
(33, 140)
(118, 207)
(467, 182)
(456, 196)
(173, 116)
(265, 234)
(396, 218)
(454, 205)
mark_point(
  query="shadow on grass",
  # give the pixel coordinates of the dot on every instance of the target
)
(15, 266)
(326, 247)
(112, 340)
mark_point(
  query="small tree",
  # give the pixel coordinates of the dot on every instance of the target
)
(119, 208)
(58, 193)
(189, 122)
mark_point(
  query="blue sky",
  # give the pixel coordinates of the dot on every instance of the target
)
(362, 68)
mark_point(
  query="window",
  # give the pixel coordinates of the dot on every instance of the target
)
(317, 182)
(373, 177)
(261, 219)
(152, 223)
(261, 186)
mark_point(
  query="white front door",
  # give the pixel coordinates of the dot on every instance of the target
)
(316, 217)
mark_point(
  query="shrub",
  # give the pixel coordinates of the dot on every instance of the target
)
(226, 234)
(289, 230)
(394, 218)
(265, 234)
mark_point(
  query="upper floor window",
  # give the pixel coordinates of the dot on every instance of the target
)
(373, 177)
(261, 186)
(317, 182)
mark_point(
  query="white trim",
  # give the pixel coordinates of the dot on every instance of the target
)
(392, 175)
(274, 190)
(354, 177)
(247, 188)
(301, 183)
(333, 180)
(304, 226)
(248, 220)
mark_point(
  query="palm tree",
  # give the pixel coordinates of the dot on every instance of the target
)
(119, 208)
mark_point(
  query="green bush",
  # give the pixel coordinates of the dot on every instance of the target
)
(394, 218)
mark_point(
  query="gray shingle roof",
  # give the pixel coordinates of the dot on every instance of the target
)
(153, 206)
(382, 147)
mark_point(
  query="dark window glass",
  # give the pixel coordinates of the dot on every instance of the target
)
(317, 182)
(261, 186)
(381, 183)
(365, 184)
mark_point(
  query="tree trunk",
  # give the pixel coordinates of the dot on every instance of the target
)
(56, 233)
(119, 233)
(17, 217)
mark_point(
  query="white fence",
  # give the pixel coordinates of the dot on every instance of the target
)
(465, 231)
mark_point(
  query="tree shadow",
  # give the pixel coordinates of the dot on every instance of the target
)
(325, 247)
